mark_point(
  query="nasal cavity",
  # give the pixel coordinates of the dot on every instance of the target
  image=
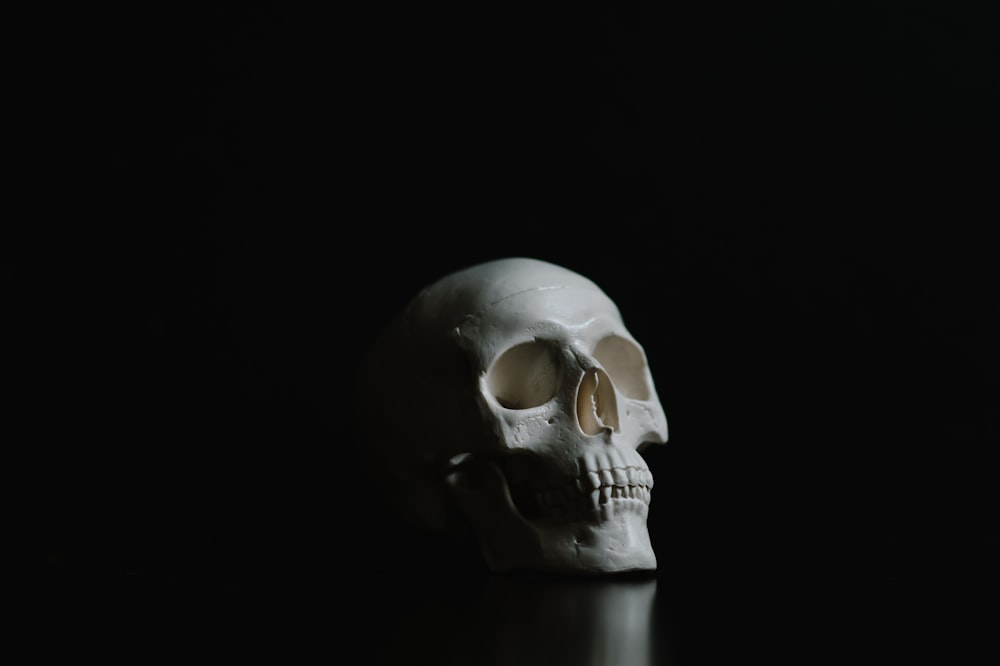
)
(596, 405)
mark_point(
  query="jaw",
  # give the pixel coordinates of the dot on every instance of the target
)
(610, 538)
(616, 543)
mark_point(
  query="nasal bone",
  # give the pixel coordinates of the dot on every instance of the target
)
(596, 403)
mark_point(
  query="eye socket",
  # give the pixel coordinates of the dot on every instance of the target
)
(526, 375)
(625, 363)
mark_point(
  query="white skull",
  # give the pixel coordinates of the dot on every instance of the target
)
(514, 387)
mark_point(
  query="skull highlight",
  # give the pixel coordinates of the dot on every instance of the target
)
(514, 388)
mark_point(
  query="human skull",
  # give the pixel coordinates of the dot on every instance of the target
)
(514, 388)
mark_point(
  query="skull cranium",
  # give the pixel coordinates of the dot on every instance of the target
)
(514, 388)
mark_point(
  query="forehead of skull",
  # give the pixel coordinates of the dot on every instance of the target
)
(490, 302)
(477, 289)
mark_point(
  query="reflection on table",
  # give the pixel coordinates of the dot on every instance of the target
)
(525, 620)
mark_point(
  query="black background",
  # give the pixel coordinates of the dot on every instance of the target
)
(791, 204)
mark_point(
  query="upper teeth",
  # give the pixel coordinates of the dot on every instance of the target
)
(616, 476)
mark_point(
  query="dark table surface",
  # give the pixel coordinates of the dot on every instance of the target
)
(678, 615)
